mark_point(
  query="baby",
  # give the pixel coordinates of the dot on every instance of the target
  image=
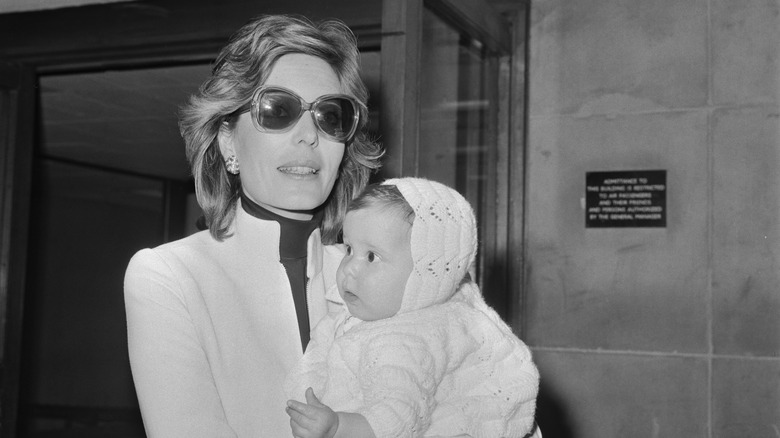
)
(416, 352)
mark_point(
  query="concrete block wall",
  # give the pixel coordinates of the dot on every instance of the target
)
(656, 332)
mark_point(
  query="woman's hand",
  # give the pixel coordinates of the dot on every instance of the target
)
(312, 419)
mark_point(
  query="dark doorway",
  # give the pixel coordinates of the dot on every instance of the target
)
(109, 178)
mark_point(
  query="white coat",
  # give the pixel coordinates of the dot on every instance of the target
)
(212, 330)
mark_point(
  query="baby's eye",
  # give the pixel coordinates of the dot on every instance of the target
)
(349, 249)
(371, 257)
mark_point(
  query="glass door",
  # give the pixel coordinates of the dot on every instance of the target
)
(441, 112)
(17, 109)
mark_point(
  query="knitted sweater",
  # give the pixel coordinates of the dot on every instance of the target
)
(448, 369)
(445, 364)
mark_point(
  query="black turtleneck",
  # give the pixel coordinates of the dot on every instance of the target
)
(293, 253)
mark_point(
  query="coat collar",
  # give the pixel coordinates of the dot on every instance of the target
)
(250, 232)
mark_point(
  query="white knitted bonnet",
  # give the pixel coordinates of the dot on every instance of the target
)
(443, 241)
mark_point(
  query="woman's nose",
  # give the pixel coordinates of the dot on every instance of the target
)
(306, 130)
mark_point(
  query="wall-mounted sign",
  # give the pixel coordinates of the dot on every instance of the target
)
(625, 199)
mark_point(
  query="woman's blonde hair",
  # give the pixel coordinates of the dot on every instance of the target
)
(241, 67)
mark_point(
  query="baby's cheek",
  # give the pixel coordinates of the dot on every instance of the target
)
(340, 279)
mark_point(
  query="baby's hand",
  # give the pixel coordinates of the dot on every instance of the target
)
(312, 419)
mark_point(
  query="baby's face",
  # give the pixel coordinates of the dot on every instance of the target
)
(372, 276)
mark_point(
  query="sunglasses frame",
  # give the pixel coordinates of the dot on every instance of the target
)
(306, 107)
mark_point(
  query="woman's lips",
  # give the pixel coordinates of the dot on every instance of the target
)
(299, 167)
(297, 170)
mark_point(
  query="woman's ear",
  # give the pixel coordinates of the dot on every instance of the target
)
(225, 140)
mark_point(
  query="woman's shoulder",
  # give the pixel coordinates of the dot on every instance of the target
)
(194, 242)
(190, 265)
(187, 248)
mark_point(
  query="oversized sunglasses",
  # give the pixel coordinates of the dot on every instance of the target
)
(279, 109)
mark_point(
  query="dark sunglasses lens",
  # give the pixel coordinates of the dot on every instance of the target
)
(336, 117)
(277, 110)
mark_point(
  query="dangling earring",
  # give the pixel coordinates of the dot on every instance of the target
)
(231, 164)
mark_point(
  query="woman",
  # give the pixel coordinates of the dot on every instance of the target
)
(275, 138)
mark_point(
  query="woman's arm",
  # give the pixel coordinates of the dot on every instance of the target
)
(174, 384)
